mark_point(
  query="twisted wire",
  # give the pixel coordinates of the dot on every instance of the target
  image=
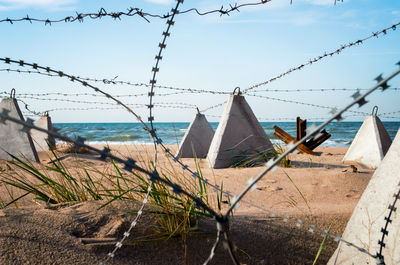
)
(128, 83)
(133, 11)
(86, 94)
(384, 230)
(314, 60)
(303, 103)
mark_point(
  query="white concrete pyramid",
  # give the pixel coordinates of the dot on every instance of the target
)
(238, 134)
(373, 226)
(197, 139)
(40, 139)
(370, 144)
(12, 139)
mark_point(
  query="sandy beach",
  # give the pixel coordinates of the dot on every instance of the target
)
(319, 190)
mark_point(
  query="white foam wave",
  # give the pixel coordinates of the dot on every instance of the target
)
(112, 142)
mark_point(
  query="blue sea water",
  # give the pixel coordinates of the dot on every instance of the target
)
(172, 132)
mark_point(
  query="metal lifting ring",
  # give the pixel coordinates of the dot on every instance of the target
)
(375, 109)
(46, 113)
(12, 94)
(238, 88)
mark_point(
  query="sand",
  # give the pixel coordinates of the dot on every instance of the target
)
(79, 233)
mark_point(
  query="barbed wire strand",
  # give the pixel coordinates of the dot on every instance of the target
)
(116, 82)
(134, 11)
(87, 94)
(384, 230)
(180, 89)
(314, 60)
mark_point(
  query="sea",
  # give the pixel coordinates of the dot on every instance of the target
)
(172, 132)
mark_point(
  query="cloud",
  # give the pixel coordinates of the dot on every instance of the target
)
(43, 4)
(161, 2)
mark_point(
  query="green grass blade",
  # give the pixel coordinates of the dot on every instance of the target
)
(321, 247)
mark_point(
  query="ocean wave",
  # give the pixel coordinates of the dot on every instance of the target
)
(112, 143)
(119, 138)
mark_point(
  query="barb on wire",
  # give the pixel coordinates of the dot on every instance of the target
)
(133, 11)
(384, 230)
(389, 113)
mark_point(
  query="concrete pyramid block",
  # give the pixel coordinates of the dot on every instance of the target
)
(375, 222)
(40, 139)
(370, 144)
(197, 139)
(12, 139)
(238, 134)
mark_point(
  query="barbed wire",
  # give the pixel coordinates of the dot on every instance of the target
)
(159, 104)
(389, 113)
(314, 60)
(31, 112)
(134, 11)
(285, 101)
(316, 90)
(303, 103)
(86, 94)
(117, 82)
(384, 230)
(182, 90)
(127, 233)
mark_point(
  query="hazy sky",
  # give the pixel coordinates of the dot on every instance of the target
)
(204, 52)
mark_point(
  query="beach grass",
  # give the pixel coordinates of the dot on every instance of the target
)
(175, 215)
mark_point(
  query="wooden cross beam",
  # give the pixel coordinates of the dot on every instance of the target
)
(309, 145)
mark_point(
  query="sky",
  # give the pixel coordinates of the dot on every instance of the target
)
(209, 52)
